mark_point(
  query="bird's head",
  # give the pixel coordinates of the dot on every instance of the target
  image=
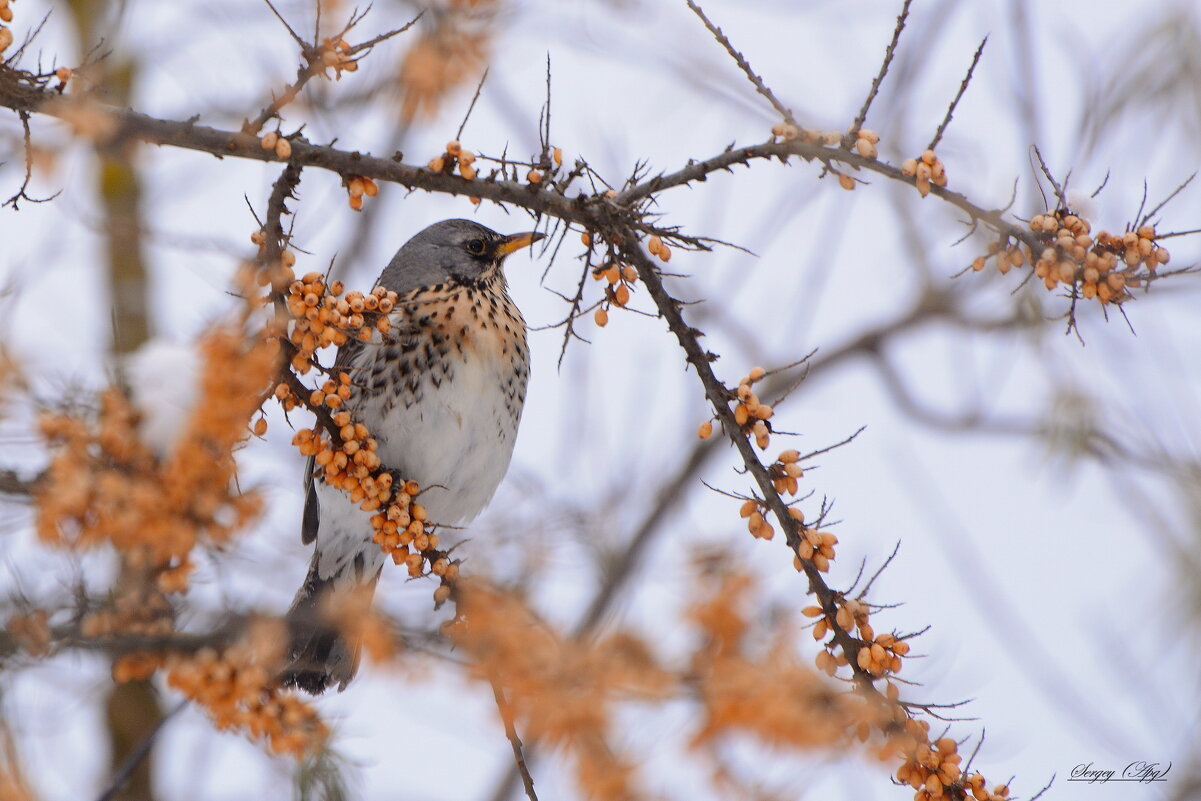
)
(452, 251)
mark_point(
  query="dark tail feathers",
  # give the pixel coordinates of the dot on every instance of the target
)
(320, 653)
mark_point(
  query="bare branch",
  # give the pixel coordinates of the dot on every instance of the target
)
(1165, 201)
(478, 88)
(849, 139)
(745, 65)
(967, 79)
(506, 715)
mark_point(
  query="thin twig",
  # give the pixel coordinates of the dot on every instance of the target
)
(743, 64)
(478, 88)
(1043, 791)
(849, 139)
(962, 88)
(506, 715)
(383, 37)
(20, 194)
(896, 549)
(1165, 201)
(1059, 194)
(295, 36)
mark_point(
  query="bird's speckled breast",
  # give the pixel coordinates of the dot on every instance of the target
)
(445, 392)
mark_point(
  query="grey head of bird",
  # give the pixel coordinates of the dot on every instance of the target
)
(454, 252)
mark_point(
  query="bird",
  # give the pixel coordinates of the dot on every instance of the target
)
(442, 393)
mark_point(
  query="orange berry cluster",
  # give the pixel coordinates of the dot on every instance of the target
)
(233, 685)
(335, 53)
(536, 176)
(620, 278)
(279, 144)
(455, 156)
(816, 546)
(137, 666)
(877, 654)
(1103, 267)
(925, 170)
(749, 413)
(786, 473)
(932, 770)
(754, 512)
(866, 143)
(323, 317)
(31, 631)
(6, 35)
(348, 466)
(400, 524)
(448, 53)
(787, 132)
(104, 485)
(358, 621)
(277, 275)
(657, 247)
(357, 186)
(143, 612)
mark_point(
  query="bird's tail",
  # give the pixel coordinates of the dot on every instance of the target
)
(322, 652)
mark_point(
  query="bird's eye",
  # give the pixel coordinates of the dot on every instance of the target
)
(476, 247)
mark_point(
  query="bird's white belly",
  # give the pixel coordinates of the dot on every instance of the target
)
(455, 442)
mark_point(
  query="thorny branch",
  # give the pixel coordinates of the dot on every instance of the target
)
(597, 210)
(719, 397)
(313, 54)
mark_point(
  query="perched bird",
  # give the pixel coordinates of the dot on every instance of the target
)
(442, 394)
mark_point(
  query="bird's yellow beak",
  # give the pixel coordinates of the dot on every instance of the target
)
(517, 242)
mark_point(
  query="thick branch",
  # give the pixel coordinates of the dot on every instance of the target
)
(595, 211)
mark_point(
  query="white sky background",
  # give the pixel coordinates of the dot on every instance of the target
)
(1055, 597)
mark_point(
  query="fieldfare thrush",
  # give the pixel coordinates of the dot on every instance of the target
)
(442, 394)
